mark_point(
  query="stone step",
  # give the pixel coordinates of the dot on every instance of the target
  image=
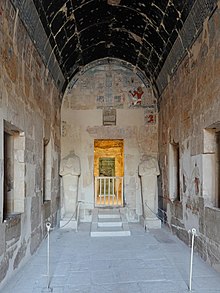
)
(109, 219)
(109, 229)
(110, 233)
(109, 223)
(109, 216)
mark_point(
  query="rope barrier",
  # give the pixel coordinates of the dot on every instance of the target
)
(76, 213)
(194, 234)
(207, 251)
(163, 219)
(73, 216)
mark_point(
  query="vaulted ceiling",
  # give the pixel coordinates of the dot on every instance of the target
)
(141, 33)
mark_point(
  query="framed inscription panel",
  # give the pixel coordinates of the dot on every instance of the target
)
(109, 117)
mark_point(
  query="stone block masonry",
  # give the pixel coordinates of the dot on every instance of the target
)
(30, 114)
(189, 117)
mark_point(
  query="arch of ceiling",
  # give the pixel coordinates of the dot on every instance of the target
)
(109, 61)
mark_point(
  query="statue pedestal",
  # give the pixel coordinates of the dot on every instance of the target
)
(151, 223)
(67, 223)
(149, 170)
(70, 188)
(69, 171)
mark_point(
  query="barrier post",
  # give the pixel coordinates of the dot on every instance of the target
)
(48, 225)
(191, 259)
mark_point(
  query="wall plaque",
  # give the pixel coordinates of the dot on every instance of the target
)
(109, 117)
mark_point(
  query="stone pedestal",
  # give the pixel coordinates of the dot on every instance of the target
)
(149, 170)
(68, 223)
(151, 223)
(70, 188)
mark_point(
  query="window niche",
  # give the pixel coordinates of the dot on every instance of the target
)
(8, 174)
(174, 171)
(217, 200)
(211, 164)
(14, 171)
(47, 169)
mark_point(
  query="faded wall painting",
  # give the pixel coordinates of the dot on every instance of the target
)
(137, 96)
(191, 174)
(150, 114)
(112, 86)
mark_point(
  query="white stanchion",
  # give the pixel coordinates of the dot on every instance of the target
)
(191, 258)
(48, 226)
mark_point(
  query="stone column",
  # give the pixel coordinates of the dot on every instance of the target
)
(149, 170)
(70, 171)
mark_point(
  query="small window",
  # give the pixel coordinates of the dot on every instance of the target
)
(174, 169)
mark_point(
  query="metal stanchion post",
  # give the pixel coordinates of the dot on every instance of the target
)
(48, 289)
(191, 259)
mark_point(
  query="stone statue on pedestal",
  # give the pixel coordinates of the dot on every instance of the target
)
(148, 171)
(70, 171)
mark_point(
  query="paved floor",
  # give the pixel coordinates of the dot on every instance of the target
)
(149, 262)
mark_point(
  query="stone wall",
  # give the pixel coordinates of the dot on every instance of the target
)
(102, 88)
(190, 117)
(30, 111)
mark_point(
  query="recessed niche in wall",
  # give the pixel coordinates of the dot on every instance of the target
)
(109, 117)
(211, 163)
(174, 169)
(14, 171)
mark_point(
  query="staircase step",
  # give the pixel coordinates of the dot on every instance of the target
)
(109, 216)
(109, 229)
(101, 220)
(109, 223)
(109, 213)
(110, 233)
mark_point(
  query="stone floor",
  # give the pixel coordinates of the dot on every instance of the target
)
(154, 261)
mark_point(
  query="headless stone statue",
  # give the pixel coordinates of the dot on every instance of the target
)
(149, 170)
(70, 171)
(70, 165)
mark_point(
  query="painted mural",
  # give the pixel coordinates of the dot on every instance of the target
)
(112, 86)
(137, 96)
(191, 176)
(150, 114)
